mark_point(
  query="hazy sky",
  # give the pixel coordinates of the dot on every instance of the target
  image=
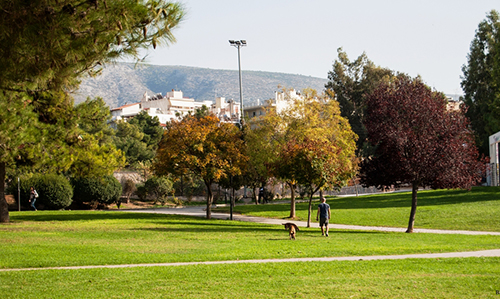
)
(427, 38)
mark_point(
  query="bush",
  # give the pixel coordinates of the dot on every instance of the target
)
(158, 188)
(141, 192)
(128, 189)
(189, 186)
(55, 191)
(97, 191)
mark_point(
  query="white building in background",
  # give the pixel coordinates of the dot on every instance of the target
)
(174, 103)
(226, 111)
(453, 102)
(167, 107)
(281, 101)
(493, 170)
(126, 111)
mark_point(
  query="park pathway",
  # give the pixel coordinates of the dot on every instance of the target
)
(199, 211)
(481, 253)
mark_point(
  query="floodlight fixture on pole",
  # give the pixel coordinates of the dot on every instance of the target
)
(238, 44)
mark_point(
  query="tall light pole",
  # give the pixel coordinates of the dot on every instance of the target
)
(238, 44)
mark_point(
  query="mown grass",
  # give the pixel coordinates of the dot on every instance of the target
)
(477, 209)
(72, 238)
(75, 238)
(415, 278)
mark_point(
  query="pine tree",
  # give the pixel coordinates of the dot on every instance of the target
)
(46, 46)
(481, 81)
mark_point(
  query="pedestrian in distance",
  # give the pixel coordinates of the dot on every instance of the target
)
(324, 215)
(33, 197)
(261, 195)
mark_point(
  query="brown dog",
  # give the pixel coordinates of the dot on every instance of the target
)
(292, 229)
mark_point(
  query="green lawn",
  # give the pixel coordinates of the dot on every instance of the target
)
(73, 238)
(478, 209)
(68, 238)
(428, 278)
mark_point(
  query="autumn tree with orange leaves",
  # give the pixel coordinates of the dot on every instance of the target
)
(201, 145)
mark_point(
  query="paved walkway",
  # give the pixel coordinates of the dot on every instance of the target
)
(482, 253)
(199, 211)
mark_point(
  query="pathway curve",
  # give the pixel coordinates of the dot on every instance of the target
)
(199, 211)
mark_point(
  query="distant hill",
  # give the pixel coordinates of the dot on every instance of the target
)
(123, 83)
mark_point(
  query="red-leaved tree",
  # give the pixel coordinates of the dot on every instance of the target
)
(417, 141)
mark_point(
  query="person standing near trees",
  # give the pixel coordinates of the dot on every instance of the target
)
(324, 215)
(33, 197)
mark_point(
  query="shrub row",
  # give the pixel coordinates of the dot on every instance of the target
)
(56, 192)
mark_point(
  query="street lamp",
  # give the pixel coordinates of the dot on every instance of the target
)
(238, 44)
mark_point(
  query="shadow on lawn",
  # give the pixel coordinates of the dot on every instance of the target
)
(210, 227)
(237, 227)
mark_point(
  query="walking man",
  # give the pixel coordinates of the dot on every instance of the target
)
(324, 215)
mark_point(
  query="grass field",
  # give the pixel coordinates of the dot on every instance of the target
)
(477, 209)
(73, 238)
(428, 278)
(68, 238)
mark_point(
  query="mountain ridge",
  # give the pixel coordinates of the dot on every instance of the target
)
(122, 83)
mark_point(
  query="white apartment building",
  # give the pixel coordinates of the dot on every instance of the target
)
(126, 111)
(226, 111)
(172, 104)
(281, 101)
(167, 107)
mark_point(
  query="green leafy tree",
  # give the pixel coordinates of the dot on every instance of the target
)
(45, 47)
(139, 138)
(96, 190)
(45, 44)
(202, 146)
(129, 188)
(350, 83)
(129, 140)
(158, 187)
(95, 153)
(318, 149)
(151, 127)
(261, 140)
(481, 81)
(94, 117)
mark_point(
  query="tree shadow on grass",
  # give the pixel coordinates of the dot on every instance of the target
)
(210, 228)
(238, 227)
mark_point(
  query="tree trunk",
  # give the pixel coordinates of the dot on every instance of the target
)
(254, 195)
(414, 189)
(4, 208)
(210, 198)
(309, 210)
(310, 203)
(231, 204)
(292, 201)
